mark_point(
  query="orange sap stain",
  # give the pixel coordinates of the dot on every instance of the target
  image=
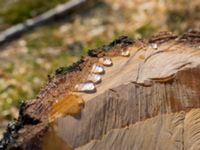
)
(66, 105)
(141, 57)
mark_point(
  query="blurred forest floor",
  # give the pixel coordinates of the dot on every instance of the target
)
(17, 11)
(26, 62)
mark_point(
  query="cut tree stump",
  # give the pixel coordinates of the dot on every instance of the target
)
(148, 98)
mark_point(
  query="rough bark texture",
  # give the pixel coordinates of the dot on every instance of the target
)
(149, 100)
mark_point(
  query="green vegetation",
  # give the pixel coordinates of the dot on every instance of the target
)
(20, 10)
(176, 18)
(48, 38)
(146, 30)
(24, 72)
(23, 77)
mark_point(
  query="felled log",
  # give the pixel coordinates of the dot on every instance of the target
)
(128, 95)
(65, 9)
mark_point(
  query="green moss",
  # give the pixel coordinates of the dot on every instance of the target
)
(176, 18)
(146, 30)
(44, 37)
(21, 10)
(96, 42)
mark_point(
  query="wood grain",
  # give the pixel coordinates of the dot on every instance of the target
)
(149, 100)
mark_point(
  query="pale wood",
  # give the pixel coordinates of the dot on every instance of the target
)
(149, 100)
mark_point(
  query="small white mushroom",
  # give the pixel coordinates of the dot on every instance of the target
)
(97, 69)
(125, 53)
(154, 45)
(105, 61)
(85, 87)
(95, 78)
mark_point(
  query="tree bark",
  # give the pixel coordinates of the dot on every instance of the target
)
(148, 100)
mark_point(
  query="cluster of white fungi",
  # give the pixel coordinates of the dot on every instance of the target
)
(96, 73)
